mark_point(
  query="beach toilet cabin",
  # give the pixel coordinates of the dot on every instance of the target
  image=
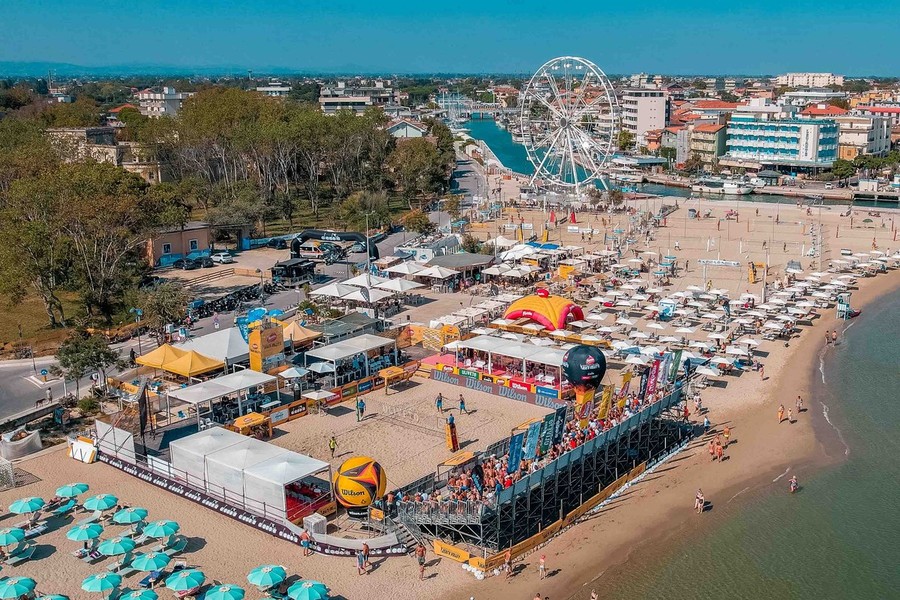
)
(666, 309)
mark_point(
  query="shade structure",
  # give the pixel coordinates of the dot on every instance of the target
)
(367, 295)
(333, 290)
(298, 334)
(116, 546)
(227, 345)
(26, 505)
(129, 516)
(293, 373)
(224, 592)
(308, 590)
(83, 533)
(185, 580)
(553, 312)
(321, 367)
(318, 394)
(399, 285)
(365, 280)
(192, 364)
(437, 272)
(14, 587)
(406, 268)
(160, 356)
(188, 454)
(221, 386)
(225, 468)
(266, 576)
(150, 561)
(11, 535)
(163, 528)
(349, 348)
(101, 502)
(267, 479)
(101, 582)
(70, 490)
(139, 595)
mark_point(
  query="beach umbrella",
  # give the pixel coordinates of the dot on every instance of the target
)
(185, 580)
(716, 336)
(266, 576)
(684, 330)
(308, 590)
(694, 288)
(14, 587)
(70, 490)
(150, 561)
(161, 529)
(639, 335)
(636, 360)
(224, 592)
(668, 339)
(83, 533)
(139, 595)
(100, 502)
(26, 505)
(321, 367)
(101, 582)
(624, 321)
(129, 516)
(656, 326)
(116, 546)
(11, 535)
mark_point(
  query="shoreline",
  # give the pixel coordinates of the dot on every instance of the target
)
(600, 552)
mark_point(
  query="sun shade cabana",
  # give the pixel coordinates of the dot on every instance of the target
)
(162, 355)
(191, 364)
(226, 345)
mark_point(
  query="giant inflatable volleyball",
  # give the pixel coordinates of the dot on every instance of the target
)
(359, 481)
(584, 365)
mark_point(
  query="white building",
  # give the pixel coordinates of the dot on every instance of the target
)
(807, 97)
(357, 96)
(889, 112)
(764, 106)
(863, 135)
(644, 110)
(275, 89)
(157, 102)
(811, 80)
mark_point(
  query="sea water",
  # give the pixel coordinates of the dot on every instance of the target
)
(839, 536)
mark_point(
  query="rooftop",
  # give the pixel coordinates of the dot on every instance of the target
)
(815, 110)
(709, 127)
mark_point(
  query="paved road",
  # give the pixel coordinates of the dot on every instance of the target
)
(20, 381)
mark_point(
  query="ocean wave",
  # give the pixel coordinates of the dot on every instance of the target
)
(833, 426)
(786, 471)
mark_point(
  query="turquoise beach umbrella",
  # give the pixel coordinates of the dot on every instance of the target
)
(101, 582)
(129, 516)
(26, 505)
(139, 595)
(116, 546)
(308, 590)
(11, 535)
(266, 576)
(14, 587)
(161, 529)
(83, 533)
(101, 502)
(151, 561)
(70, 490)
(183, 581)
(224, 592)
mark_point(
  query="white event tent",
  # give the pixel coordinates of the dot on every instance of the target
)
(225, 345)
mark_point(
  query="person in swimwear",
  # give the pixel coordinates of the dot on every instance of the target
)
(793, 483)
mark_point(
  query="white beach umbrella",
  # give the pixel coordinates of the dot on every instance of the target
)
(669, 339)
(638, 335)
(365, 280)
(694, 288)
(406, 268)
(650, 350)
(596, 317)
(624, 321)
(735, 351)
(655, 290)
(655, 325)
(772, 325)
(437, 272)
(516, 337)
(628, 286)
(606, 329)
(716, 336)
(685, 330)
(539, 341)
(703, 345)
(333, 290)
(399, 285)
(748, 342)
(709, 316)
(560, 333)
(708, 371)
(634, 359)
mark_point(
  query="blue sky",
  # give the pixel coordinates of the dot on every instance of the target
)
(691, 36)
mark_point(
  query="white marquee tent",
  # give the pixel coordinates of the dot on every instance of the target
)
(226, 345)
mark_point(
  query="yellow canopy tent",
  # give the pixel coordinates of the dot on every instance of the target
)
(298, 334)
(192, 364)
(162, 355)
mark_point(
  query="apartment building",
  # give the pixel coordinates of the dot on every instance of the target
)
(756, 141)
(158, 102)
(357, 96)
(860, 134)
(810, 80)
(707, 140)
(644, 110)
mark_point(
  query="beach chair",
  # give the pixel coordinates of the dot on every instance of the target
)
(187, 593)
(92, 557)
(22, 555)
(36, 531)
(91, 518)
(150, 580)
(65, 508)
(175, 547)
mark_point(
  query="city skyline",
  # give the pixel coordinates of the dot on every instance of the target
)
(696, 37)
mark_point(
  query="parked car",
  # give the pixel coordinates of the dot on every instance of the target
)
(829, 186)
(357, 247)
(206, 262)
(222, 257)
(187, 264)
(277, 243)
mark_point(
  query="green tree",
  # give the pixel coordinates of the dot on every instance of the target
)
(163, 304)
(418, 222)
(350, 213)
(840, 103)
(453, 207)
(843, 169)
(693, 164)
(415, 168)
(81, 355)
(470, 243)
(616, 197)
(81, 113)
(625, 139)
(668, 152)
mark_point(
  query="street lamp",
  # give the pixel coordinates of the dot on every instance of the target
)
(262, 287)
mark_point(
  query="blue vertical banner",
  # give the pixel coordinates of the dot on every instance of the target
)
(547, 432)
(531, 442)
(515, 452)
(644, 379)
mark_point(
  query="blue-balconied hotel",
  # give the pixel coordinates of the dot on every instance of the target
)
(792, 144)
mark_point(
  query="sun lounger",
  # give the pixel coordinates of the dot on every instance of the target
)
(177, 546)
(92, 518)
(65, 508)
(36, 531)
(187, 593)
(21, 556)
(92, 557)
(151, 578)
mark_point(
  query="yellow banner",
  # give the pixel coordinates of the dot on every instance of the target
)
(626, 379)
(606, 401)
(451, 552)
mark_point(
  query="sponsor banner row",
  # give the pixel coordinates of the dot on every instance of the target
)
(506, 388)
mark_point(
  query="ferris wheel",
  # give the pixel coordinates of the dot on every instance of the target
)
(569, 120)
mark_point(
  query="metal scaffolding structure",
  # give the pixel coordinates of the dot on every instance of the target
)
(547, 495)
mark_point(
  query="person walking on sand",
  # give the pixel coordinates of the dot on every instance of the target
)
(305, 542)
(507, 563)
(593, 594)
(332, 445)
(720, 452)
(781, 413)
(699, 502)
(420, 557)
(726, 433)
(365, 553)
(799, 405)
(462, 405)
(706, 424)
(711, 448)
(439, 402)
(827, 337)
(834, 337)
(762, 372)
(360, 409)
(542, 566)
(790, 416)
(360, 563)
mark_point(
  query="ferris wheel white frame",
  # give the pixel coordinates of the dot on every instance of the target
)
(563, 148)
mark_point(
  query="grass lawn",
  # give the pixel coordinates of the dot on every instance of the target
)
(30, 314)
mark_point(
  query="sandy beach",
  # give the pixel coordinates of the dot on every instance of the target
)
(637, 527)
